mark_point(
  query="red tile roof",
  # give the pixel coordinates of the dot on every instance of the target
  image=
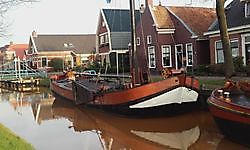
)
(162, 17)
(197, 19)
(19, 49)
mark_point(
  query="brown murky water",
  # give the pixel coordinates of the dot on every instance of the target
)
(51, 124)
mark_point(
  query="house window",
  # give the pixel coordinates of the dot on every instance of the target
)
(247, 9)
(235, 48)
(166, 55)
(219, 50)
(44, 62)
(149, 39)
(138, 41)
(106, 38)
(189, 54)
(151, 56)
(102, 39)
(247, 39)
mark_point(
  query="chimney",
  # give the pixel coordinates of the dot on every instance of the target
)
(148, 3)
(34, 34)
(11, 43)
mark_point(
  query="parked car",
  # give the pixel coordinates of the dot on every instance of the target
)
(92, 72)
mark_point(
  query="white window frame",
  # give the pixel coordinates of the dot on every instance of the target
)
(247, 9)
(102, 39)
(138, 41)
(176, 61)
(231, 40)
(149, 39)
(170, 55)
(149, 60)
(106, 38)
(235, 40)
(216, 56)
(187, 63)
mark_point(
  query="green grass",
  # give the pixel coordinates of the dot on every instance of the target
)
(208, 83)
(212, 83)
(10, 141)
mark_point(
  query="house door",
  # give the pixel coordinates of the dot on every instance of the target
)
(247, 53)
(179, 56)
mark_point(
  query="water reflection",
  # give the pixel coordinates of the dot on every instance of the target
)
(193, 131)
(115, 132)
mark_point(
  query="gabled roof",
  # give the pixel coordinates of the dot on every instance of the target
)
(196, 19)
(162, 17)
(235, 14)
(18, 49)
(80, 44)
(118, 20)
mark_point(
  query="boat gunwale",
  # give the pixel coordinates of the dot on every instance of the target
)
(229, 106)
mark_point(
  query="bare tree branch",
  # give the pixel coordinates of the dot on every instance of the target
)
(5, 5)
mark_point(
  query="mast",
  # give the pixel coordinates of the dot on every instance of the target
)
(134, 62)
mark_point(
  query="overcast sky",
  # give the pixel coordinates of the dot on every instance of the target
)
(66, 16)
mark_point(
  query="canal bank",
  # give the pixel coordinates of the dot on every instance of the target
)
(10, 141)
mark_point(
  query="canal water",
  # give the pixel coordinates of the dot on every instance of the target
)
(54, 124)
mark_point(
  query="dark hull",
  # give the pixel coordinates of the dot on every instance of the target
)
(232, 115)
(236, 131)
(165, 110)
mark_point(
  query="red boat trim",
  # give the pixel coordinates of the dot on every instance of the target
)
(230, 104)
(227, 108)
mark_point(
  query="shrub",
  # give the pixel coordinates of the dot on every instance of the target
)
(57, 64)
(238, 64)
(95, 65)
(216, 69)
(200, 70)
(248, 69)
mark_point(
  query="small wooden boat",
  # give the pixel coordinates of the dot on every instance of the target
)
(230, 107)
(169, 96)
(61, 86)
(173, 95)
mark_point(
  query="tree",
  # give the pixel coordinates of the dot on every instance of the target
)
(5, 5)
(228, 60)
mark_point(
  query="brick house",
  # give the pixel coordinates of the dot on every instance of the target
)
(172, 37)
(12, 51)
(113, 37)
(238, 21)
(75, 50)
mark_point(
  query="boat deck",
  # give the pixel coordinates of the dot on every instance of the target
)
(241, 99)
(93, 85)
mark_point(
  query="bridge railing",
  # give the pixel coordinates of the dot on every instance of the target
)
(13, 75)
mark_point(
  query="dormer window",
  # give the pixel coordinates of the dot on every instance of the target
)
(247, 9)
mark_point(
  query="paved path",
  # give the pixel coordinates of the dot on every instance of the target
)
(236, 78)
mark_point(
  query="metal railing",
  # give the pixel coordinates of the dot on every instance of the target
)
(19, 70)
